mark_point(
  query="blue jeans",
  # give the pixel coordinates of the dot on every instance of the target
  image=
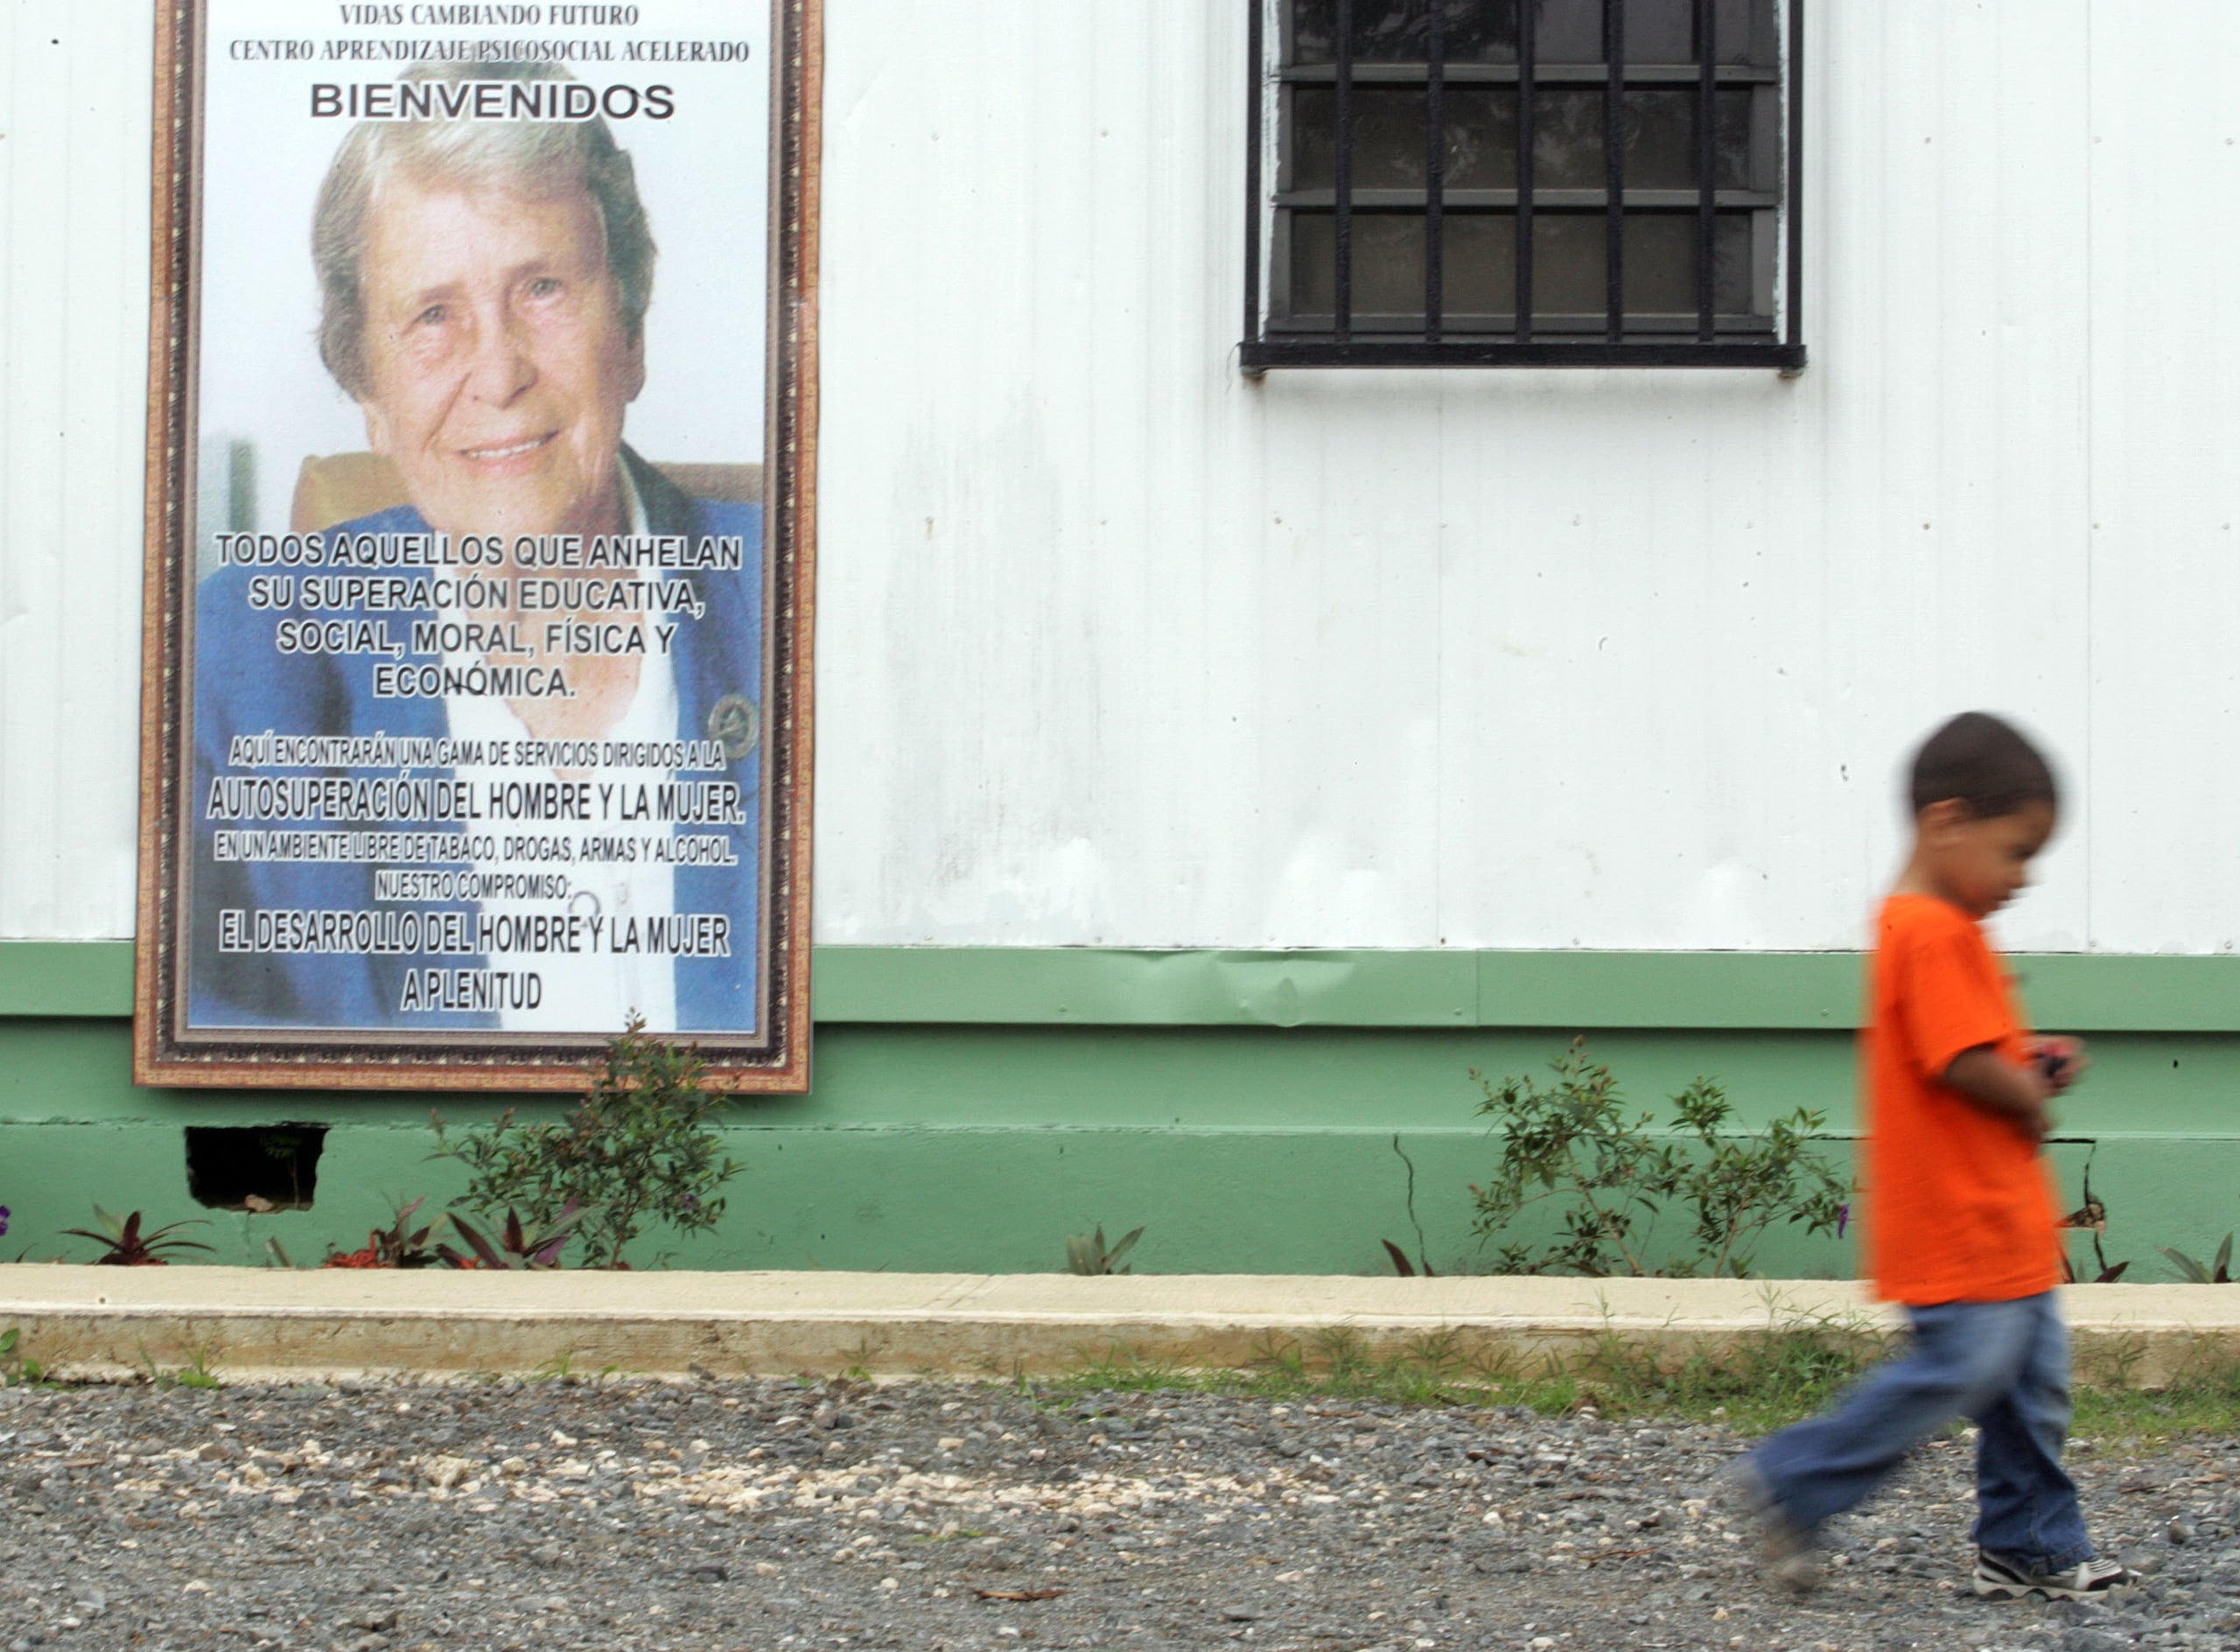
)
(2005, 1364)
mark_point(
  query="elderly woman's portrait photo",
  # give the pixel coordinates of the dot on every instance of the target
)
(479, 649)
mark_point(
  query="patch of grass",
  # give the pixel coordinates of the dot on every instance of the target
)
(196, 1373)
(17, 1367)
(1336, 1365)
(561, 1369)
(1754, 1386)
(2154, 1417)
(2203, 1397)
(1759, 1383)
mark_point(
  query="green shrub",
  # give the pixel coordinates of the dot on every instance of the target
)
(636, 1150)
(1613, 1173)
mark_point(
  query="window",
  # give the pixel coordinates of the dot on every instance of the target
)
(1541, 183)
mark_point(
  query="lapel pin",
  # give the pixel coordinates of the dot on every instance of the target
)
(735, 721)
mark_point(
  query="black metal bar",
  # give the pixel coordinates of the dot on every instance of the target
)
(1344, 305)
(1467, 200)
(1255, 52)
(1527, 51)
(1637, 75)
(1507, 352)
(1435, 174)
(1614, 168)
(1794, 166)
(1706, 160)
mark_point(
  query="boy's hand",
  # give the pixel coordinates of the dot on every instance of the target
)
(2061, 1060)
(2019, 1094)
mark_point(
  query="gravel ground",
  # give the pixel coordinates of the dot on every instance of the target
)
(767, 1515)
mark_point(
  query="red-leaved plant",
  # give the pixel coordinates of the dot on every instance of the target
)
(126, 1246)
(514, 1248)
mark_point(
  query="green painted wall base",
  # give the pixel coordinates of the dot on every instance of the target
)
(978, 1148)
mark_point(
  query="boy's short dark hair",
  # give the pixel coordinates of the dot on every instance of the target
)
(1986, 763)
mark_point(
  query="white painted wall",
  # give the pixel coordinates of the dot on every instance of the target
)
(1120, 648)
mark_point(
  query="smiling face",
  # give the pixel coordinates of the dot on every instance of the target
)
(1981, 862)
(498, 366)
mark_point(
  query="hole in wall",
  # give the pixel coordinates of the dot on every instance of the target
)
(259, 1167)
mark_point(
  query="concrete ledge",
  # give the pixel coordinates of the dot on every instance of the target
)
(1362, 987)
(250, 1324)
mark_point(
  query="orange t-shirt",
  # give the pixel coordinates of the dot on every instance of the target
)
(1958, 1206)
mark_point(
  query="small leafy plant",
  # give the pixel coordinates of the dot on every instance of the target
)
(2218, 1272)
(126, 1246)
(401, 1246)
(1086, 1253)
(195, 1374)
(1612, 1174)
(2092, 1217)
(514, 1248)
(1405, 1268)
(637, 1150)
(16, 1366)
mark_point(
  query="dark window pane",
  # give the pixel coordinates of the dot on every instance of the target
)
(1660, 30)
(1730, 138)
(1568, 263)
(1567, 31)
(1660, 139)
(1746, 33)
(1659, 275)
(1480, 138)
(1388, 134)
(1660, 271)
(1733, 275)
(1388, 264)
(1665, 32)
(1567, 139)
(1568, 250)
(1478, 277)
(1660, 128)
(1399, 31)
(1479, 264)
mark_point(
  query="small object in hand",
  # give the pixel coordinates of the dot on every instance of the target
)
(2092, 1215)
(2056, 1061)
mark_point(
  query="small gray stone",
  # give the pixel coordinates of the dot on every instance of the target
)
(2089, 1639)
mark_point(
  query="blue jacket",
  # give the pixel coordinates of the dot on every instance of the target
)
(244, 686)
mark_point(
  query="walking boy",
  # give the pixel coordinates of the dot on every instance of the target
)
(1959, 1210)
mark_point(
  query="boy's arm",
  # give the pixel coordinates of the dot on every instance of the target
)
(1987, 1081)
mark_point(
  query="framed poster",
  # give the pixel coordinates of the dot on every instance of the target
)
(481, 491)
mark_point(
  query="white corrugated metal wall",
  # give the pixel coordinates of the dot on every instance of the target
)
(1119, 648)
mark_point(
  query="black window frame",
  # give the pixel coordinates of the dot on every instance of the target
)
(1341, 345)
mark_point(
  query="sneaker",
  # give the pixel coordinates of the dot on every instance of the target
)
(1785, 1550)
(2004, 1579)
